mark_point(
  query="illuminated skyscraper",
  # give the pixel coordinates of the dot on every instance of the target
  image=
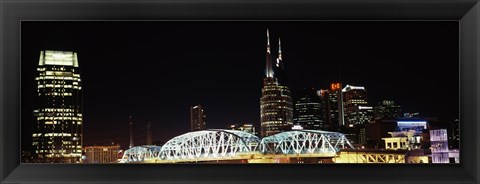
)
(323, 95)
(197, 118)
(276, 108)
(308, 110)
(333, 104)
(57, 129)
(387, 109)
(357, 110)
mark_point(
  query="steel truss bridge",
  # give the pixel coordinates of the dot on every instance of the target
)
(219, 144)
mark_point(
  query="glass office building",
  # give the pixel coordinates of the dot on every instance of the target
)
(58, 121)
(276, 106)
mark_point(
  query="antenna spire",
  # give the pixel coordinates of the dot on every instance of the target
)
(131, 132)
(269, 67)
(268, 41)
(149, 134)
(279, 49)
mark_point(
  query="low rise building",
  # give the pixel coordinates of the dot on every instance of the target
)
(101, 154)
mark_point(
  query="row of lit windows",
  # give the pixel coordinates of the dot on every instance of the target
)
(58, 86)
(57, 94)
(58, 73)
(59, 110)
(55, 123)
(52, 82)
(58, 78)
(308, 103)
(269, 113)
(55, 135)
(52, 147)
(274, 123)
(60, 118)
(59, 151)
(273, 102)
(59, 114)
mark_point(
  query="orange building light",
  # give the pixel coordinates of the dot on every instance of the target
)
(335, 86)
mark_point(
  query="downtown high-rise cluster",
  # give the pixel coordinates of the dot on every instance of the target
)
(312, 109)
(58, 116)
(338, 108)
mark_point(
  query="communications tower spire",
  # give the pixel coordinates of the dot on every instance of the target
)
(131, 132)
(268, 41)
(149, 134)
(279, 49)
(268, 68)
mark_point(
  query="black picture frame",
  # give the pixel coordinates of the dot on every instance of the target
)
(467, 12)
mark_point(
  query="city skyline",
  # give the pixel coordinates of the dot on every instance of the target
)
(138, 85)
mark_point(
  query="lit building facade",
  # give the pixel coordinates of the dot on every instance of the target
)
(323, 94)
(455, 135)
(101, 154)
(58, 119)
(439, 146)
(197, 118)
(357, 110)
(276, 108)
(249, 128)
(308, 110)
(356, 134)
(387, 109)
(335, 106)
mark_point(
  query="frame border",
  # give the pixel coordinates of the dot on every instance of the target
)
(466, 12)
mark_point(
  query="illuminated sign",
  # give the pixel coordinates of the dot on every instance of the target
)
(364, 107)
(335, 86)
(349, 87)
(412, 124)
(297, 127)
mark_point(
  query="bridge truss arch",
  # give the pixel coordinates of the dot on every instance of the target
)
(209, 144)
(140, 153)
(305, 142)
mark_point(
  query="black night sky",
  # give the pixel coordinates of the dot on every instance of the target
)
(156, 70)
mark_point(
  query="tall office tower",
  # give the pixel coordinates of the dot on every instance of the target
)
(323, 95)
(308, 110)
(357, 110)
(387, 109)
(455, 135)
(197, 118)
(58, 122)
(333, 99)
(276, 108)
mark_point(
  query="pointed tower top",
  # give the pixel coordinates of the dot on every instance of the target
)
(268, 67)
(131, 133)
(268, 41)
(279, 49)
